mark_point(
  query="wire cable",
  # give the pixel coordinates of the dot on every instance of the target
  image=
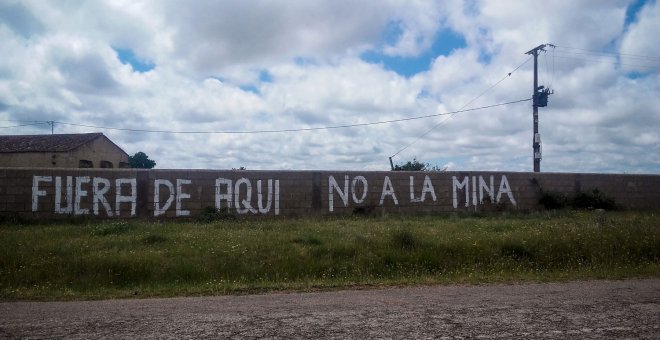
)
(464, 106)
(645, 62)
(13, 126)
(550, 71)
(552, 79)
(300, 129)
(646, 67)
(608, 54)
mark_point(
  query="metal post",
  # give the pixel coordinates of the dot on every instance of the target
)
(536, 142)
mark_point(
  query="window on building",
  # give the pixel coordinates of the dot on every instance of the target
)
(83, 163)
(106, 164)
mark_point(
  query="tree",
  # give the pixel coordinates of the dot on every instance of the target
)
(141, 160)
(413, 165)
(416, 165)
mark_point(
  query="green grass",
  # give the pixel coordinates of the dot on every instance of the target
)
(108, 259)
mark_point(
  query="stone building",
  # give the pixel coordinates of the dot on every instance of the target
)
(86, 150)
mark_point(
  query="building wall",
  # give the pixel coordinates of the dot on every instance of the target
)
(100, 149)
(37, 159)
(182, 193)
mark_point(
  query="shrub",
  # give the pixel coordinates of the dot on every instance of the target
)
(11, 219)
(553, 200)
(517, 251)
(593, 200)
(363, 210)
(114, 228)
(154, 239)
(308, 240)
(404, 240)
(211, 214)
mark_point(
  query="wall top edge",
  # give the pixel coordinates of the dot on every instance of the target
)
(456, 172)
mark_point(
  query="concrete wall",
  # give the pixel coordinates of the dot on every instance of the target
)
(100, 149)
(181, 193)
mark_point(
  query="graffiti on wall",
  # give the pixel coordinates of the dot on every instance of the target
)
(224, 191)
(87, 195)
(69, 193)
(474, 188)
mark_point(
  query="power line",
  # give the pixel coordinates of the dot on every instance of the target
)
(648, 67)
(498, 82)
(13, 126)
(615, 57)
(464, 106)
(610, 54)
(646, 62)
(595, 56)
(550, 72)
(300, 129)
(23, 121)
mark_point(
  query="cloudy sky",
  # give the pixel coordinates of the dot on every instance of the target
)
(230, 70)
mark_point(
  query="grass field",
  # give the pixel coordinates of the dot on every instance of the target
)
(108, 259)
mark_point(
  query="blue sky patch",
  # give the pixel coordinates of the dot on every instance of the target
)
(127, 56)
(484, 57)
(265, 77)
(392, 32)
(444, 43)
(303, 61)
(633, 10)
(249, 88)
(635, 75)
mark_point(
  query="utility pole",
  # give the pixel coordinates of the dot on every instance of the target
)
(539, 99)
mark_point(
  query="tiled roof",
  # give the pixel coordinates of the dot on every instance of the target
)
(45, 143)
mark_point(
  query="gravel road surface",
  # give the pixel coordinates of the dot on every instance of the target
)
(589, 309)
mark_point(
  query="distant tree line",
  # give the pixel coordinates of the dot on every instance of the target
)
(416, 165)
(141, 161)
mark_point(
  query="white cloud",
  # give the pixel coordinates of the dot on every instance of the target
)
(418, 23)
(211, 37)
(639, 48)
(262, 65)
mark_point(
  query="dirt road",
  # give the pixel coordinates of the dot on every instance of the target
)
(592, 309)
